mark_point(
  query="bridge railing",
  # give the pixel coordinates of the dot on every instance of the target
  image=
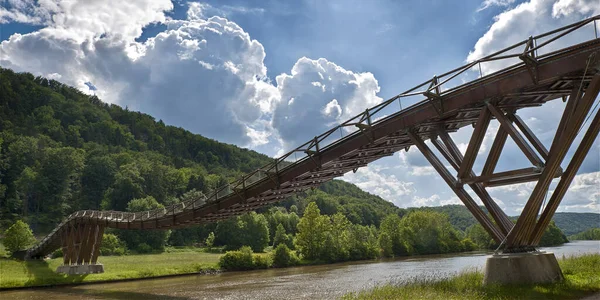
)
(430, 89)
(514, 56)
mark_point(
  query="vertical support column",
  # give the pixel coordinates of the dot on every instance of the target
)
(81, 246)
(89, 236)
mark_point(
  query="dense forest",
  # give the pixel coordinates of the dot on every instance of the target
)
(62, 151)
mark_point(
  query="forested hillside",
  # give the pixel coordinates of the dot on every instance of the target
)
(569, 223)
(62, 151)
(573, 223)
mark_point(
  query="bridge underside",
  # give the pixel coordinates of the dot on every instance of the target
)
(579, 95)
(571, 74)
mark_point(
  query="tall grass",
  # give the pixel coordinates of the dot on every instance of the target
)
(582, 277)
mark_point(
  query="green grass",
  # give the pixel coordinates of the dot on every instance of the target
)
(14, 273)
(582, 277)
(3, 252)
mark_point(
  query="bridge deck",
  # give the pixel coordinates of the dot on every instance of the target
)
(512, 88)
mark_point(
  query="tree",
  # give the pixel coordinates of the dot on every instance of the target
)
(393, 238)
(280, 236)
(255, 229)
(18, 237)
(144, 241)
(210, 240)
(246, 230)
(283, 257)
(592, 234)
(480, 237)
(553, 236)
(112, 245)
(312, 232)
(431, 232)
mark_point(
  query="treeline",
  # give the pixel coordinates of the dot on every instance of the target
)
(592, 234)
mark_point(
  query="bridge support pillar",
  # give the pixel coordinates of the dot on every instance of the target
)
(80, 269)
(81, 247)
(530, 267)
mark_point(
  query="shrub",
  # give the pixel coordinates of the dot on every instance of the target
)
(468, 245)
(262, 261)
(283, 257)
(57, 253)
(18, 237)
(143, 248)
(237, 260)
(112, 245)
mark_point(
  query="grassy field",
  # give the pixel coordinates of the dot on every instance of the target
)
(582, 277)
(15, 273)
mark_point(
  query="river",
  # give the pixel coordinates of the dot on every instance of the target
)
(308, 282)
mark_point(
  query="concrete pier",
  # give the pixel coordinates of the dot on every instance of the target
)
(531, 267)
(80, 269)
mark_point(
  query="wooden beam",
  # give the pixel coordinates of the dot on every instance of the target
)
(495, 151)
(485, 222)
(498, 215)
(503, 175)
(537, 144)
(514, 134)
(475, 143)
(566, 179)
(97, 245)
(445, 153)
(524, 226)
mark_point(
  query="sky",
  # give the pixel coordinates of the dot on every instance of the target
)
(269, 75)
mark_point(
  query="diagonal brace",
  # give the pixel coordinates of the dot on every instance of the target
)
(487, 224)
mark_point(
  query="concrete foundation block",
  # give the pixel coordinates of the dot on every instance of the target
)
(515, 268)
(80, 269)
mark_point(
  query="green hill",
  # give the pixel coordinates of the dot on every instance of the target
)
(569, 223)
(573, 223)
(62, 151)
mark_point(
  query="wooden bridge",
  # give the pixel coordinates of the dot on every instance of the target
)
(538, 72)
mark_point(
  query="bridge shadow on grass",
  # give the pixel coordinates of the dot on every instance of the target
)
(40, 273)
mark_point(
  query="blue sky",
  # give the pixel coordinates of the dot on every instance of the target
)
(269, 75)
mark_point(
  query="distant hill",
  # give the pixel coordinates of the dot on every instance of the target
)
(573, 223)
(569, 223)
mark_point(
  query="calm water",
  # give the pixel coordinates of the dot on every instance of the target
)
(310, 282)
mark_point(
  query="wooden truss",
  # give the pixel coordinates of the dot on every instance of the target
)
(527, 231)
(81, 243)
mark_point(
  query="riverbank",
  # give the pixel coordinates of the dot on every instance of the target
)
(582, 278)
(14, 273)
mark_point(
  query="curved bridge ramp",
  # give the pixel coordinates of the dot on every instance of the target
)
(538, 71)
